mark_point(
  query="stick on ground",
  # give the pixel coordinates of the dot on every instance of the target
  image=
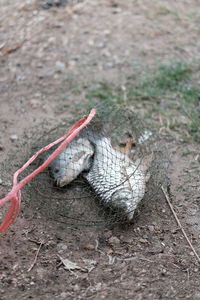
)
(179, 223)
(36, 256)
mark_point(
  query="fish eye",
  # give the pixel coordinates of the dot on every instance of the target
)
(56, 170)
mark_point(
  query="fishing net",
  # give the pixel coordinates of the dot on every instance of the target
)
(103, 176)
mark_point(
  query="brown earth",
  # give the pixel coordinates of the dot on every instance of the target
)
(49, 57)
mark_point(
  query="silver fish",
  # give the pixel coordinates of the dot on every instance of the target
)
(118, 182)
(74, 159)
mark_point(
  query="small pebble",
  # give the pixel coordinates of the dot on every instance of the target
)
(114, 240)
(14, 137)
(107, 234)
(35, 12)
(86, 51)
(116, 10)
(126, 239)
(63, 295)
(106, 32)
(91, 43)
(106, 53)
(192, 211)
(145, 236)
(60, 66)
(35, 103)
(164, 271)
(151, 228)
(109, 65)
(20, 78)
(100, 45)
(62, 246)
(76, 288)
(71, 64)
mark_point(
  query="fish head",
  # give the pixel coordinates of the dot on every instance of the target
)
(123, 203)
(71, 162)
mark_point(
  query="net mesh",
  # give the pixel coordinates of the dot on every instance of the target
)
(102, 176)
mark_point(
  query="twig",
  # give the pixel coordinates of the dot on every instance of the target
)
(34, 241)
(36, 256)
(148, 260)
(179, 223)
(97, 248)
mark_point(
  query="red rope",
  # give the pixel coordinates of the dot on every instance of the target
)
(15, 194)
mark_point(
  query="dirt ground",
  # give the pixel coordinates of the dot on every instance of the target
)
(49, 56)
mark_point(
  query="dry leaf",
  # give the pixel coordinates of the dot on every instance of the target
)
(119, 253)
(90, 264)
(11, 49)
(143, 241)
(109, 251)
(88, 247)
(69, 265)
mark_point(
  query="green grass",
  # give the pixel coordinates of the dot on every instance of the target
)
(194, 126)
(163, 11)
(166, 92)
(169, 76)
(162, 83)
(105, 95)
(190, 99)
(193, 15)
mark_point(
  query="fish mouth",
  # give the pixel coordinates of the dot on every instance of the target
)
(61, 182)
(122, 203)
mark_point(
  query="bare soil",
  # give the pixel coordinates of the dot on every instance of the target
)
(49, 56)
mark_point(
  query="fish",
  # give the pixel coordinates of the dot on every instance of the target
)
(119, 183)
(114, 177)
(74, 159)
